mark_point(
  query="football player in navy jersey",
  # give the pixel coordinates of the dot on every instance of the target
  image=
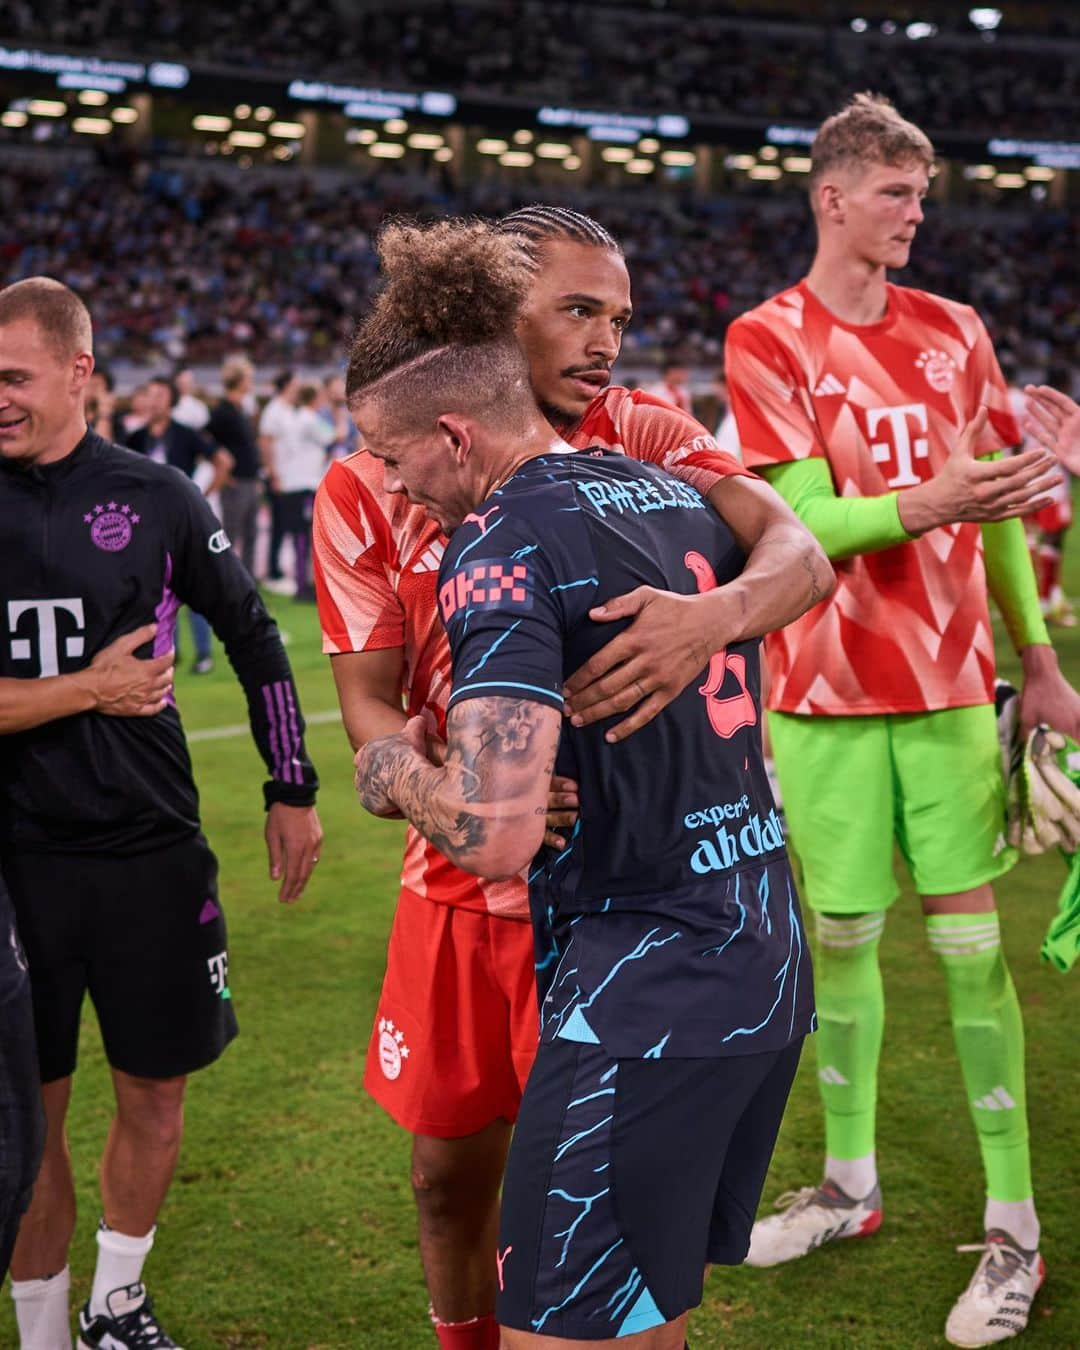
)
(675, 978)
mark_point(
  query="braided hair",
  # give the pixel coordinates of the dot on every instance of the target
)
(538, 225)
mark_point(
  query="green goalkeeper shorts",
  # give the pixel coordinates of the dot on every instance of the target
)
(852, 786)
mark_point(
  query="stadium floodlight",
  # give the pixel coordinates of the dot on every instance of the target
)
(167, 75)
(616, 154)
(247, 140)
(491, 145)
(387, 149)
(640, 166)
(678, 159)
(523, 137)
(888, 27)
(14, 117)
(768, 152)
(395, 126)
(211, 122)
(1010, 180)
(766, 172)
(516, 159)
(917, 31)
(93, 98)
(649, 145)
(264, 114)
(797, 164)
(361, 136)
(1039, 173)
(92, 126)
(572, 162)
(125, 115)
(287, 131)
(553, 150)
(242, 112)
(425, 140)
(739, 162)
(859, 25)
(46, 107)
(444, 154)
(984, 18)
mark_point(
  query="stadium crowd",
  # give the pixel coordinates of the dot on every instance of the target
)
(707, 64)
(211, 263)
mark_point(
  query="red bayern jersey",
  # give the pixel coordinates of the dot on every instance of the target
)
(376, 567)
(907, 629)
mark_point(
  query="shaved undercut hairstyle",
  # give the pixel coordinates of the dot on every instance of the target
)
(540, 225)
(440, 337)
(62, 317)
(867, 130)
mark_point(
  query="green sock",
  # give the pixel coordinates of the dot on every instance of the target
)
(989, 1034)
(851, 1018)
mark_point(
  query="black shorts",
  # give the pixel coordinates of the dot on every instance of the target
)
(145, 935)
(22, 1120)
(625, 1177)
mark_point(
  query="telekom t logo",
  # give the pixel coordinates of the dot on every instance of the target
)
(899, 446)
(22, 648)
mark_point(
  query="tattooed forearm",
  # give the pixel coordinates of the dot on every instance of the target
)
(483, 806)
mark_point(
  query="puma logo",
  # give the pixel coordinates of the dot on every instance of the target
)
(480, 520)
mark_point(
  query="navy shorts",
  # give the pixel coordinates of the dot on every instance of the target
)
(145, 936)
(627, 1176)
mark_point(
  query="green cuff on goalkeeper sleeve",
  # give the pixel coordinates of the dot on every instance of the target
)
(844, 526)
(1011, 578)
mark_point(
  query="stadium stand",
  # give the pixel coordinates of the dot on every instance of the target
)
(210, 261)
(702, 63)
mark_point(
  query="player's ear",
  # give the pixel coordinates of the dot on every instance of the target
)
(829, 202)
(455, 434)
(82, 367)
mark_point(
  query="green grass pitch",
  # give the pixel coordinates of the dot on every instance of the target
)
(290, 1224)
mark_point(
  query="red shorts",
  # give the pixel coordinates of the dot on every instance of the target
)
(457, 1025)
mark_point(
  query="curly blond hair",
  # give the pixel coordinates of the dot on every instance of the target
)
(451, 295)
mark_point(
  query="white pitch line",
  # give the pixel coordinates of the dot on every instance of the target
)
(244, 729)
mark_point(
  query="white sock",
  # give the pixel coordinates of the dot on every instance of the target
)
(41, 1310)
(119, 1263)
(857, 1176)
(1015, 1217)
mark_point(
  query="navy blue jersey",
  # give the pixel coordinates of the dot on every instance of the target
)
(93, 546)
(670, 923)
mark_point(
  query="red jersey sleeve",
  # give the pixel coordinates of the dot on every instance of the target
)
(651, 429)
(768, 398)
(359, 609)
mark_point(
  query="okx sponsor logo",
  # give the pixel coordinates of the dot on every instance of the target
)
(731, 843)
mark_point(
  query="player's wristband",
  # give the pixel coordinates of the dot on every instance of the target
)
(289, 794)
(1011, 578)
(844, 526)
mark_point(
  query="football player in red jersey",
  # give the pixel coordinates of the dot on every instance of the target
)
(456, 1026)
(871, 407)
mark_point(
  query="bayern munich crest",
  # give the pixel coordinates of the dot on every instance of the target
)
(393, 1052)
(111, 526)
(939, 369)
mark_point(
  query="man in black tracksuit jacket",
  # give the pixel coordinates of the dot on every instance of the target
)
(114, 885)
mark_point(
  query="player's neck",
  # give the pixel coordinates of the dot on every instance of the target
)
(850, 288)
(536, 440)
